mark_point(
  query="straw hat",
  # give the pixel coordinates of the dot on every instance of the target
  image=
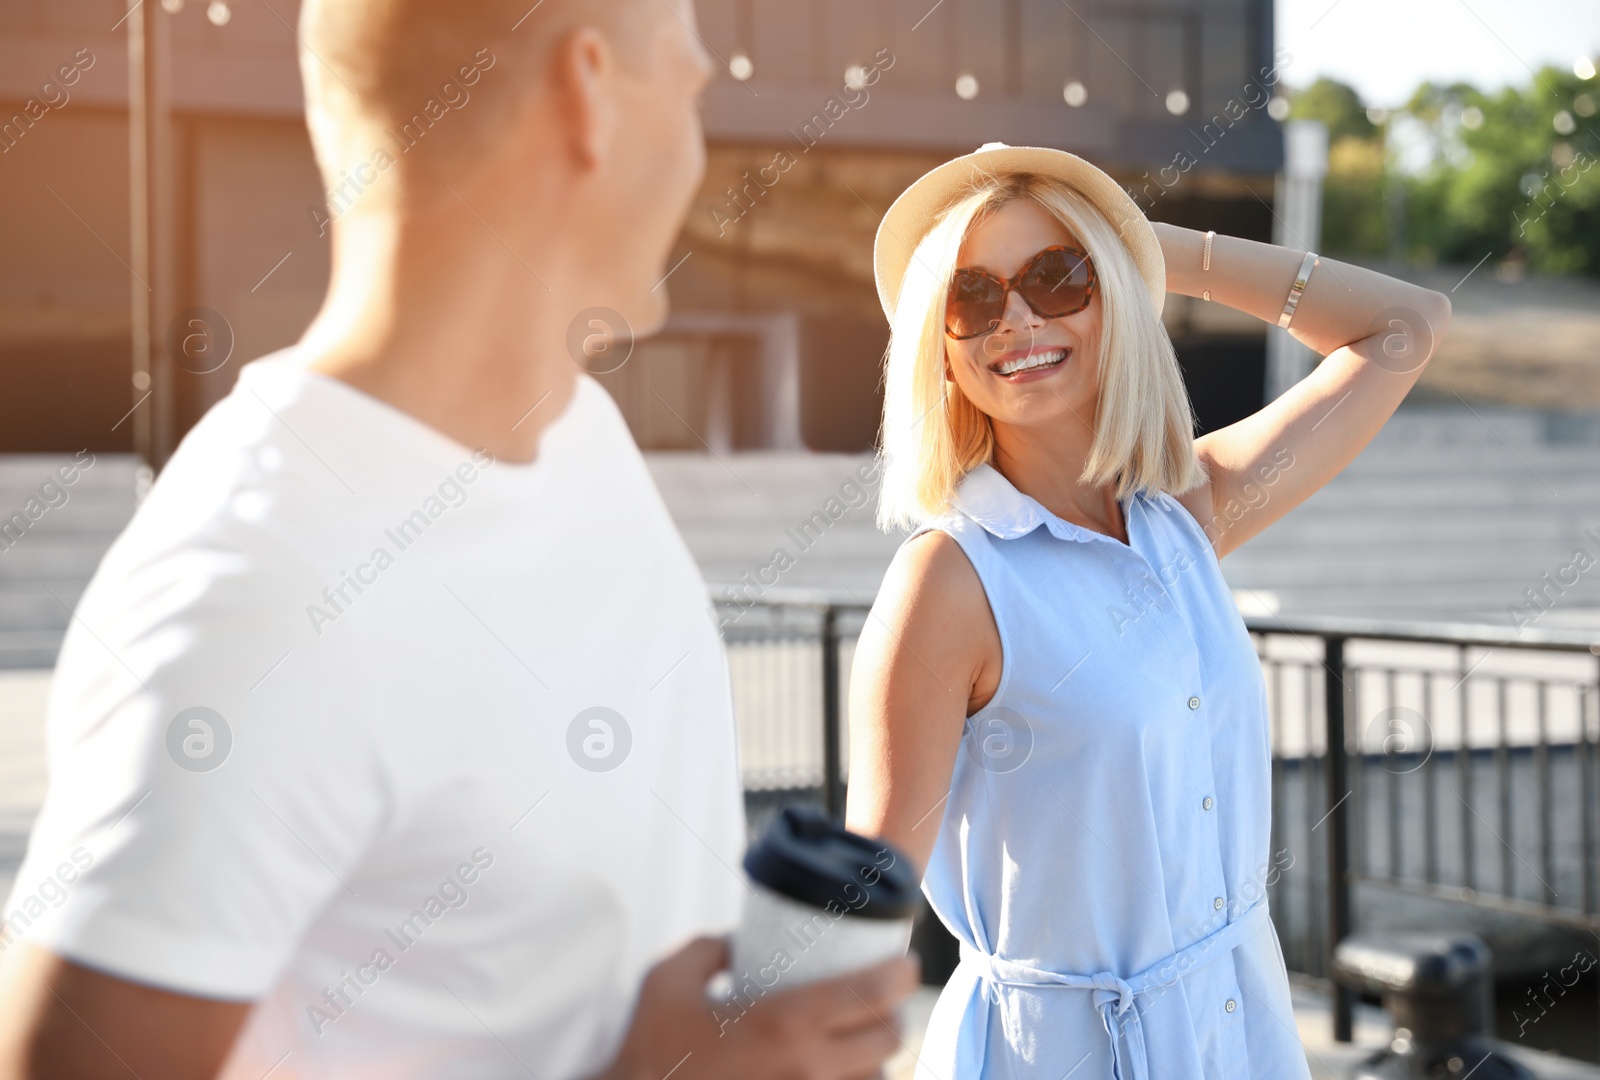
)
(914, 212)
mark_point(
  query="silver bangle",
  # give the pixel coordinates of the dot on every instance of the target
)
(1299, 287)
(1205, 261)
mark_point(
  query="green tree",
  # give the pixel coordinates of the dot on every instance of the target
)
(1337, 105)
(1352, 192)
(1510, 174)
(1513, 175)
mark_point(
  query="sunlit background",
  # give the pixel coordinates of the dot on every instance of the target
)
(1447, 142)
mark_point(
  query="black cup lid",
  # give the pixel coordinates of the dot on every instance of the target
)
(812, 859)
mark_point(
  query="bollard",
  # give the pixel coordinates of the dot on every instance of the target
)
(1439, 990)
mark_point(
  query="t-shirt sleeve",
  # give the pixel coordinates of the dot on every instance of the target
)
(213, 776)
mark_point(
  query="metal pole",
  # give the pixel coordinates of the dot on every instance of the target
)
(150, 179)
(832, 788)
(1588, 778)
(1297, 224)
(1338, 839)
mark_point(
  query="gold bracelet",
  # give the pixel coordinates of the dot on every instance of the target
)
(1205, 261)
(1306, 266)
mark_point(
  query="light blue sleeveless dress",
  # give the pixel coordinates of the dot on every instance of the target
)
(1103, 855)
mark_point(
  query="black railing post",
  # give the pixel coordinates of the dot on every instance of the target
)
(832, 788)
(1338, 834)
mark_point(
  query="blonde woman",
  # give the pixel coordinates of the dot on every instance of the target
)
(1056, 710)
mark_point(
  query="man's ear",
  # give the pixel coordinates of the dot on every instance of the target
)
(583, 66)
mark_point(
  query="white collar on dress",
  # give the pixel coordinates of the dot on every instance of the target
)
(988, 498)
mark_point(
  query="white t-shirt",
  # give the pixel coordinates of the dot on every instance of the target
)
(432, 755)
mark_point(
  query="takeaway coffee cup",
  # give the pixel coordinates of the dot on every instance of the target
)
(824, 901)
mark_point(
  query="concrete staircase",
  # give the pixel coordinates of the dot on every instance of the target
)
(43, 571)
(1450, 513)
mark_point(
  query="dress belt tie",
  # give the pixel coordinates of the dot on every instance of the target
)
(1113, 995)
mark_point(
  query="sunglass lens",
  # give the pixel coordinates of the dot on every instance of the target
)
(1057, 283)
(975, 304)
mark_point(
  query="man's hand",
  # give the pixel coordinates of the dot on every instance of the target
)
(837, 1029)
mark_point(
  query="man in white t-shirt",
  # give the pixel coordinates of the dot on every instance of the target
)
(393, 738)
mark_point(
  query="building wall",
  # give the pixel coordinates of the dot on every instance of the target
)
(1128, 55)
(776, 336)
(64, 286)
(246, 189)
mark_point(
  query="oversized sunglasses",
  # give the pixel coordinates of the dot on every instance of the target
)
(1057, 281)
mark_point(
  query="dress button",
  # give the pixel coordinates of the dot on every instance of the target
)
(1217, 903)
(1194, 703)
(1207, 803)
(1231, 1005)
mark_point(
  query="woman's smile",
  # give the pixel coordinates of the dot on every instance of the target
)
(1027, 365)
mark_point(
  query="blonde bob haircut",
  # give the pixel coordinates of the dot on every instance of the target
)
(933, 435)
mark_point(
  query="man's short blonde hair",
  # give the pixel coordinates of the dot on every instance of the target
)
(933, 435)
(413, 78)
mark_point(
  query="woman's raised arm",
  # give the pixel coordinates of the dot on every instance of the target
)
(1375, 333)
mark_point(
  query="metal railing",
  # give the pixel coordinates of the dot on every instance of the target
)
(1458, 744)
(792, 735)
(1437, 787)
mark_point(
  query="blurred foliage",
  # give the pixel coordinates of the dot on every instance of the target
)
(1457, 173)
(1337, 106)
(1352, 197)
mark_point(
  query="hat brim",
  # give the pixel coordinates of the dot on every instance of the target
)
(912, 214)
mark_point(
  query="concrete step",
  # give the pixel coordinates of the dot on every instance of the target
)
(1451, 527)
(1579, 493)
(1520, 564)
(45, 565)
(41, 602)
(109, 472)
(1447, 511)
(63, 554)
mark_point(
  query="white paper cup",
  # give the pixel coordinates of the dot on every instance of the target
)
(786, 942)
(823, 901)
